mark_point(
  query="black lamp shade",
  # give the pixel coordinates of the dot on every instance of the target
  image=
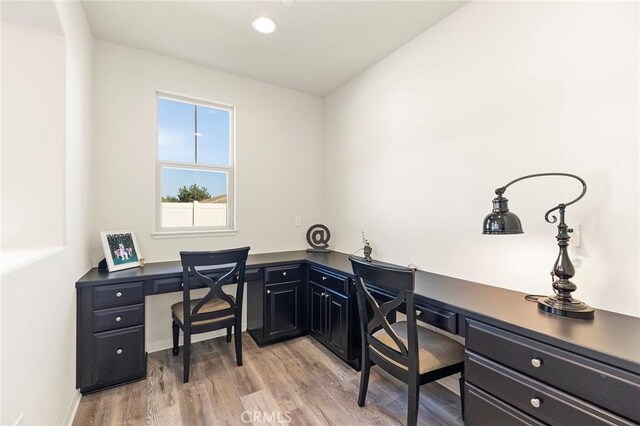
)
(502, 224)
(501, 221)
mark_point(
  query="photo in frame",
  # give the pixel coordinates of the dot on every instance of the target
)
(121, 249)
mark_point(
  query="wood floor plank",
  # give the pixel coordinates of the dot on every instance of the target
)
(297, 381)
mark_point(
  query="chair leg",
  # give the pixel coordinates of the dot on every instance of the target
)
(176, 334)
(364, 380)
(228, 334)
(462, 386)
(186, 355)
(414, 400)
(238, 336)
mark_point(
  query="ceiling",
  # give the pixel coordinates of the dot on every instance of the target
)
(318, 46)
(41, 15)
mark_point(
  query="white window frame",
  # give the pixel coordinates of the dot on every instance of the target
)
(182, 231)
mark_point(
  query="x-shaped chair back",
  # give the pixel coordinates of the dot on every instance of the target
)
(235, 259)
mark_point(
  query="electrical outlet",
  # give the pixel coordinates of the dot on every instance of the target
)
(298, 221)
(575, 236)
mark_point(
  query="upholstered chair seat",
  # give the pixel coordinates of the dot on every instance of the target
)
(215, 304)
(435, 350)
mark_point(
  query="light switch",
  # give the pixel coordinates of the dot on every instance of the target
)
(575, 236)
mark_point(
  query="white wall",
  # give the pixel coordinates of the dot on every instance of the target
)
(278, 156)
(34, 134)
(1, 261)
(38, 301)
(495, 91)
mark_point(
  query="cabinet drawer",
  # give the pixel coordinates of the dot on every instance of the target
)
(118, 356)
(481, 409)
(541, 401)
(254, 274)
(166, 285)
(575, 374)
(120, 317)
(117, 295)
(437, 317)
(283, 274)
(333, 282)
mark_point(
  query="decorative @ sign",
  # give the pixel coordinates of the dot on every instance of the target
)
(318, 238)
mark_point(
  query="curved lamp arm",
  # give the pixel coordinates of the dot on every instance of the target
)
(554, 219)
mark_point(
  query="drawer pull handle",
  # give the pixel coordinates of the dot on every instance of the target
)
(119, 294)
(119, 351)
(418, 312)
(118, 319)
(536, 362)
(284, 274)
(535, 402)
(268, 291)
(324, 278)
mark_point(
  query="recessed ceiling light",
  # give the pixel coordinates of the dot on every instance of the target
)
(264, 25)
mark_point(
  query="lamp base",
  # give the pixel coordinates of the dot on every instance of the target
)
(573, 308)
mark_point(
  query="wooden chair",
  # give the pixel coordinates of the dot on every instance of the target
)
(410, 353)
(216, 310)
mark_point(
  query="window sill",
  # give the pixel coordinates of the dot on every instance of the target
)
(15, 259)
(194, 234)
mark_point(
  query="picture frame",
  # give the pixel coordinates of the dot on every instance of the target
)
(120, 249)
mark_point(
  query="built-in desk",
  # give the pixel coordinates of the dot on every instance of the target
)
(576, 361)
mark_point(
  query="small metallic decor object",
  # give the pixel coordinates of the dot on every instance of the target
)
(366, 249)
(503, 222)
(318, 238)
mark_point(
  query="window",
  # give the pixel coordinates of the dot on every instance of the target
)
(195, 165)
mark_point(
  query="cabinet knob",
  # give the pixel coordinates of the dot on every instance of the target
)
(322, 294)
(536, 362)
(535, 402)
(418, 312)
(118, 319)
(119, 294)
(268, 291)
(326, 295)
(119, 351)
(284, 274)
(324, 278)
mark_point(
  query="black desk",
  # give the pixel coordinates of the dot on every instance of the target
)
(611, 339)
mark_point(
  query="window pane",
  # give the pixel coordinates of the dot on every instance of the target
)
(213, 136)
(176, 131)
(193, 198)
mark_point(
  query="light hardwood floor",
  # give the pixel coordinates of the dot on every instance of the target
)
(299, 379)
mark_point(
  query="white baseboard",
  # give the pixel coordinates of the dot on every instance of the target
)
(73, 409)
(451, 383)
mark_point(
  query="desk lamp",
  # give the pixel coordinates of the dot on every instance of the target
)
(503, 222)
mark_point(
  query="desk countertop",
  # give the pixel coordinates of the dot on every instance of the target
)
(610, 337)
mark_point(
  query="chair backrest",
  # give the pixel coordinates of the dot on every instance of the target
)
(235, 261)
(373, 315)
